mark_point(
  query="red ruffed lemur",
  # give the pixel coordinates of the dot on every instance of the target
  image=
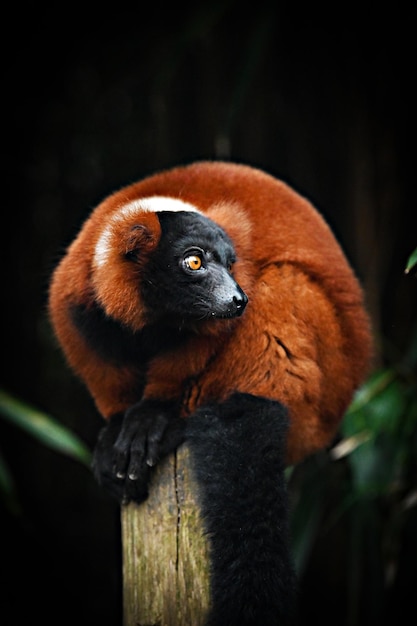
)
(212, 303)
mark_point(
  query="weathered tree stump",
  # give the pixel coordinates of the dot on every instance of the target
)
(165, 551)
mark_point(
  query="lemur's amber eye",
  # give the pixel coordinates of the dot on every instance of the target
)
(193, 262)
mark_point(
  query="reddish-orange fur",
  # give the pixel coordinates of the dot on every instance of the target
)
(304, 338)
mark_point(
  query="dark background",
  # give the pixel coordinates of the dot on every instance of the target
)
(94, 102)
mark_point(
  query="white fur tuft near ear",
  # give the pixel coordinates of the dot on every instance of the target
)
(156, 204)
(133, 209)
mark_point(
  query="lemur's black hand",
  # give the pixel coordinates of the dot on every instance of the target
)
(131, 444)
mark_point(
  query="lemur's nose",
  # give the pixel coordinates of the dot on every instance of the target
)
(240, 301)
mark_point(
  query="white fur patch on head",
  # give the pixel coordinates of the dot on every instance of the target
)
(153, 204)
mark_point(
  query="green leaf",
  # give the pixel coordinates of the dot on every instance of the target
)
(44, 428)
(374, 438)
(377, 407)
(376, 383)
(412, 261)
(372, 471)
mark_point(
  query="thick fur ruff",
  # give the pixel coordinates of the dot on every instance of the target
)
(183, 289)
(136, 323)
(238, 454)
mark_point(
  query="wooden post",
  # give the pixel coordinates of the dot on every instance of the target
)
(165, 552)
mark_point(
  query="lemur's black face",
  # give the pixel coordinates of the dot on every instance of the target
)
(188, 277)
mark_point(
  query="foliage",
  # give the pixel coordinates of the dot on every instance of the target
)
(412, 262)
(365, 485)
(364, 488)
(42, 427)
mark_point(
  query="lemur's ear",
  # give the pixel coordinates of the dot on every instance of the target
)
(139, 236)
(129, 236)
(130, 233)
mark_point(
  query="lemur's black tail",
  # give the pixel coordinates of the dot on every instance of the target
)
(238, 455)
